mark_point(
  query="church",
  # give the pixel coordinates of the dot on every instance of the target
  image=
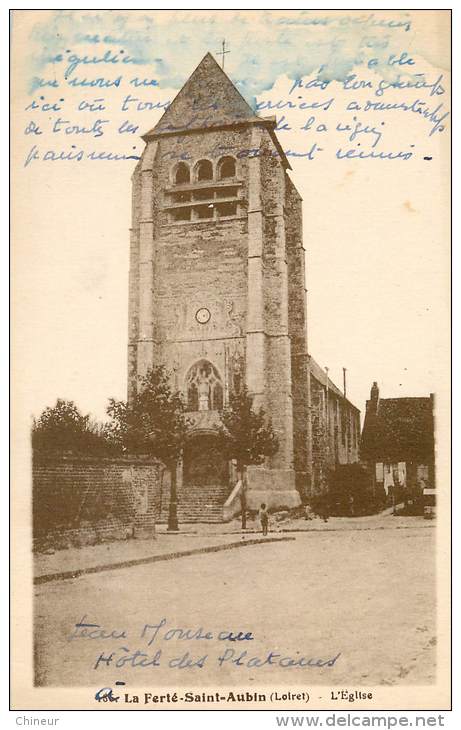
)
(217, 294)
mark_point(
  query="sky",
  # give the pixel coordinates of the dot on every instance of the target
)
(376, 229)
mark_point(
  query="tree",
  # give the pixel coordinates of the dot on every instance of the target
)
(247, 436)
(153, 422)
(64, 428)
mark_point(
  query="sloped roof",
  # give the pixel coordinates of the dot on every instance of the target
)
(398, 429)
(320, 374)
(207, 99)
(210, 100)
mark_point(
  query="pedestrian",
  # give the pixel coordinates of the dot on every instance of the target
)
(351, 505)
(308, 512)
(264, 518)
(324, 509)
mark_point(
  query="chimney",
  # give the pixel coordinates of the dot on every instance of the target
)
(372, 404)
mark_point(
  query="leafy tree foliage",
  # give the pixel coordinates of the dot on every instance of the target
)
(246, 435)
(153, 423)
(64, 428)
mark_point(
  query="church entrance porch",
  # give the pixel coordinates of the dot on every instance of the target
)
(204, 484)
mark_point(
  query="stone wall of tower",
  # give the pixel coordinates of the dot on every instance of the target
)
(195, 264)
(297, 317)
(276, 305)
(246, 270)
(133, 281)
(200, 264)
(142, 268)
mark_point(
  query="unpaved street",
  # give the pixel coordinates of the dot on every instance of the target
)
(367, 596)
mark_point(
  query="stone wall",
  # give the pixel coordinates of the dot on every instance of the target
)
(297, 302)
(83, 500)
(192, 265)
(230, 247)
(335, 430)
(235, 269)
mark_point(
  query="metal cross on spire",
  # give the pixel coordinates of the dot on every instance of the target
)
(222, 53)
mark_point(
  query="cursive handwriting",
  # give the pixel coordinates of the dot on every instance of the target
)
(156, 637)
(83, 629)
(124, 657)
(72, 61)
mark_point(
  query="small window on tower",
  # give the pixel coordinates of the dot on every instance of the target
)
(182, 175)
(204, 170)
(205, 211)
(181, 214)
(226, 168)
(226, 209)
(203, 194)
(226, 192)
(180, 198)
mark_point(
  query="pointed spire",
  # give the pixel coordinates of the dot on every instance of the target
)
(207, 99)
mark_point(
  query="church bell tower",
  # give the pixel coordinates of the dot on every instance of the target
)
(217, 282)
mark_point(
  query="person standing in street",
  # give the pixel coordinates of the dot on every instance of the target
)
(264, 518)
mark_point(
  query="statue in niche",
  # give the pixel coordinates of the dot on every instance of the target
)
(175, 370)
(233, 319)
(237, 374)
(203, 387)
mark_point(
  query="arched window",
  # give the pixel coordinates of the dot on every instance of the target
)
(204, 170)
(226, 168)
(192, 397)
(204, 388)
(182, 174)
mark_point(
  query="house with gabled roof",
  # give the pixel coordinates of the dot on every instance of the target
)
(398, 441)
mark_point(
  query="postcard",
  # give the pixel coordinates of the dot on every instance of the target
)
(231, 359)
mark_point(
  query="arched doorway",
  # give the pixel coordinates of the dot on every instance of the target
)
(204, 463)
(205, 480)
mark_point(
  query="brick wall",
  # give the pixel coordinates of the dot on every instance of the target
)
(84, 500)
